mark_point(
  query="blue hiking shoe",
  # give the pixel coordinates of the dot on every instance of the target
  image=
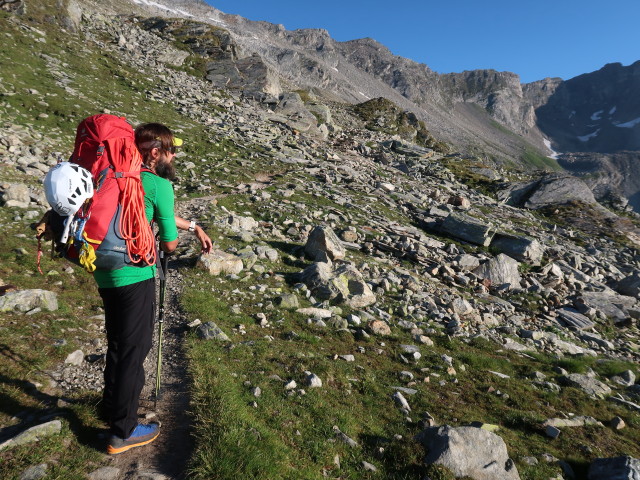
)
(141, 435)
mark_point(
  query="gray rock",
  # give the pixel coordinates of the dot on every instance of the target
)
(342, 285)
(217, 262)
(468, 451)
(626, 378)
(589, 385)
(33, 434)
(315, 312)
(468, 262)
(210, 331)
(75, 358)
(501, 270)
(617, 423)
(523, 249)
(323, 241)
(468, 228)
(379, 327)
(551, 431)
(248, 257)
(630, 286)
(26, 300)
(288, 301)
(559, 190)
(618, 468)
(105, 473)
(574, 319)
(610, 303)
(344, 437)
(578, 421)
(369, 467)
(312, 380)
(15, 195)
(238, 223)
(35, 472)
(401, 401)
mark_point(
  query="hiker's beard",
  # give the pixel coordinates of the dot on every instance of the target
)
(165, 169)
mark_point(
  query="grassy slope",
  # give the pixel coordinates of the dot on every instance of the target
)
(357, 396)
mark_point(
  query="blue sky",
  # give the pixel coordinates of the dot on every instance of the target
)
(535, 39)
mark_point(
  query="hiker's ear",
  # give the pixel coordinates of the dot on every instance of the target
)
(154, 153)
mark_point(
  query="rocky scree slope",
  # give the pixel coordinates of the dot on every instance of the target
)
(427, 258)
(483, 110)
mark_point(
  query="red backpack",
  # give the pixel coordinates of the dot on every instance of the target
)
(110, 230)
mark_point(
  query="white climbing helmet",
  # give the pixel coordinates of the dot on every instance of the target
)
(66, 187)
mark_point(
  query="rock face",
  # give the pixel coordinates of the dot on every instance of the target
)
(469, 451)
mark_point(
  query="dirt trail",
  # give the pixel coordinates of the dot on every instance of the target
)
(168, 456)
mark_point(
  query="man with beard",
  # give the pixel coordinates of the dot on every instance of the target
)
(128, 295)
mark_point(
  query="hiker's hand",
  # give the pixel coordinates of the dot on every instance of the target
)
(204, 240)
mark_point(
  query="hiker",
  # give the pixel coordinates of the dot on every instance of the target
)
(128, 294)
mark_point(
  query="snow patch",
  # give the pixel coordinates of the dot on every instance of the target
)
(572, 114)
(630, 124)
(216, 20)
(149, 3)
(363, 95)
(596, 115)
(586, 138)
(613, 110)
(554, 154)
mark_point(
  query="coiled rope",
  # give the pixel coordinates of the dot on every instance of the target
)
(134, 225)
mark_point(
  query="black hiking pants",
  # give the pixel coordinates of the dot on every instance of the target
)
(129, 315)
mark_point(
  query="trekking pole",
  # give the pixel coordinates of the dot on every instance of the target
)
(163, 284)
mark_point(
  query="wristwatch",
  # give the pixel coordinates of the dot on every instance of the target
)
(192, 226)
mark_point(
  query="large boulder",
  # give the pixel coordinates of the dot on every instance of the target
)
(500, 271)
(589, 385)
(609, 303)
(523, 249)
(26, 300)
(468, 451)
(217, 262)
(559, 190)
(630, 285)
(242, 224)
(323, 243)
(618, 468)
(467, 228)
(343, 284)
